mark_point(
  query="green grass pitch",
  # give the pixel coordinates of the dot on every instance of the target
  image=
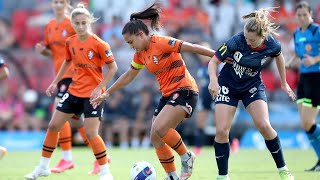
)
(245, 165)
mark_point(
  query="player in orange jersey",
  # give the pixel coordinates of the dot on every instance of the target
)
(161, 56)
(88, 54)
(56, 32)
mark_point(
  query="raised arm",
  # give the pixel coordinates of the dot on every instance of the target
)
(196, 48)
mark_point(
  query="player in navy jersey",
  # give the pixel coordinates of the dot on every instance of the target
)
(241, 80)
(4, 71)
(307, 54)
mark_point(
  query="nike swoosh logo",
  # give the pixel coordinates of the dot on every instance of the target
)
(276, 151)
(217, 157)
(253, 95)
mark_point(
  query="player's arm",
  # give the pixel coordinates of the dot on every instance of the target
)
(4, 73)
(112, 69)
(294, 60)
(212, 71)
(123, 80)
(196, 48)
(282, 72)
(63, 69)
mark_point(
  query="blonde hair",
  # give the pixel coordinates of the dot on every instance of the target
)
(81, 9)
(259, 22)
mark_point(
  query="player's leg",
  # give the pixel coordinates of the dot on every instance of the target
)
(309, 105)
(178, 106)
(49, 144)
(258, 110)
(91, 126)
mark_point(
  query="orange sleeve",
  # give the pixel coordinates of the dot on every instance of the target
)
(105, 52)
(136, 62)
(169, 44)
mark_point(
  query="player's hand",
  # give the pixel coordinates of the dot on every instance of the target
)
(40, 47)
(96, 92)
(309, 60)
(95, 102)
(50, 89)
(214, 88)
(289, 91)
(228, 60)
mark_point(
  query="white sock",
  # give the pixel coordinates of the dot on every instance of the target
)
(104, 169)
(67, 155)
(44, 162)
(146, 142)
(283, 168)
(135, 142)
(173, 174)
(223, 175)
(185, 156)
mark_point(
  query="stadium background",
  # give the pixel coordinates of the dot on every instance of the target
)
(25, 110)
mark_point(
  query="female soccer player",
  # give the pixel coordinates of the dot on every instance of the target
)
(161, 56)
(241, 80)
(307, 54)
(56, 33)
(88, 53)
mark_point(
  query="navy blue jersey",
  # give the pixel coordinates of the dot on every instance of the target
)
(247, 62)
(2, 63)
(308, 42)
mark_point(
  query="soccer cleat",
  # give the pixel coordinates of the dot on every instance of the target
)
(169, 177)
(286, 175)
(62, 166)
(107, 176)
(96, 166)
(314, 168)
(38, 172)
(223, 177)
(187, 166)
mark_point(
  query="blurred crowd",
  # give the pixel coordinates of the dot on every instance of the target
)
(127, 114)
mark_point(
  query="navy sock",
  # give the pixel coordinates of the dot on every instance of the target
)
(222, 151)
(314, 137)
(275, 149)
(198, 137)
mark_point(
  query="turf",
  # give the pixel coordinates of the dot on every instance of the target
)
(245, 165)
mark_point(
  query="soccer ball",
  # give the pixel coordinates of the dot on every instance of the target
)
(3, 152)
(142, 171)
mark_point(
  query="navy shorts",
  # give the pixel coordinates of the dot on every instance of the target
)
(63, 86)
(308, 91)
(230, 96)
(186, 99)
(77, 105)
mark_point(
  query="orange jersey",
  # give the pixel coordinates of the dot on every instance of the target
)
(55, 37)
(88, 58)
(163, 59)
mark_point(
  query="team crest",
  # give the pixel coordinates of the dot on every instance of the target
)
(308, 47)
(90, 54)
(64, 33)
(155, 60)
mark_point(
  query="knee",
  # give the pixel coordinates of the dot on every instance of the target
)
(222, 133)
(54, 127)
(91, 133)
(264, 128)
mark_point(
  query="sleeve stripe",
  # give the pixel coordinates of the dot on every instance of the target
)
(136, 65)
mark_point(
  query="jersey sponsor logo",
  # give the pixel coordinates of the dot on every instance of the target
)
(109, 53)
(90, 54)
(223, 49)
(238, 69)
(172, 42)
(251, 73)
(237, 56)
(64, 33)
(264, 60)
(223, 94)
